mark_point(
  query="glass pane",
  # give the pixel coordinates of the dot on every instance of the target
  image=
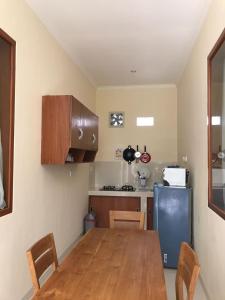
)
(218, 127)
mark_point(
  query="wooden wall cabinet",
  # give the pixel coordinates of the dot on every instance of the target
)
(101, 205)
(69, 131)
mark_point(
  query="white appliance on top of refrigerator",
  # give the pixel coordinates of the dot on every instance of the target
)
(175, 176)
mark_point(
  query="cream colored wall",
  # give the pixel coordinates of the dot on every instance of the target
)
(46, 198)
(136, 101)
(209, 228)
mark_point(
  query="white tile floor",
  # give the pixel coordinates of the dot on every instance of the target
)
(170, 286)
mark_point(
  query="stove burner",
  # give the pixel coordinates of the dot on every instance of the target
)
(109, 188)
(125, 188)
(128, 188)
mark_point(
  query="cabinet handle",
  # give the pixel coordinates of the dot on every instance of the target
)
(93, 138)
(81, 134)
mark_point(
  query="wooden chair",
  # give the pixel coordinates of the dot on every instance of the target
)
(40, 256)
(126, 219)
(187, 272)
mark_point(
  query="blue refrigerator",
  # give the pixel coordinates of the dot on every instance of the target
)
(172, 217)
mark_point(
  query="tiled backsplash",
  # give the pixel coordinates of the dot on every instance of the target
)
(120, 172)
(106, 173)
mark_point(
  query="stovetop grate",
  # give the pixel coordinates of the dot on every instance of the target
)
(124, 188)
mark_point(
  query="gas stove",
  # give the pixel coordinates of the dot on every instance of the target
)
(124, 188)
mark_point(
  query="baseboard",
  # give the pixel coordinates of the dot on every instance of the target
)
(30, 293)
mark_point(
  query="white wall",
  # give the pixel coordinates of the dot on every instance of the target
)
(158, 101)
(46, 198)
(209, 228)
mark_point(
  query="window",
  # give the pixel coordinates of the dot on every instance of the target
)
(216, 113)
(145, 121)
(7, 90)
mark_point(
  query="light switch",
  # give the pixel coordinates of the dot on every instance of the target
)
(185, 158)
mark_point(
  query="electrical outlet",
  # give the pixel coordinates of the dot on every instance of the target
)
(185, 158)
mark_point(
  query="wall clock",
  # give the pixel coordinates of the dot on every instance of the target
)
(116, 119)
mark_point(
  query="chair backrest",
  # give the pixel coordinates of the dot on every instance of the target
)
(40, 256)
(126, 219)
(187, 272)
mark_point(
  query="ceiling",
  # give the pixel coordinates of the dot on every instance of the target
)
(125, 42)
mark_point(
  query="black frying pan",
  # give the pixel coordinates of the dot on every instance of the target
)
(129, 154)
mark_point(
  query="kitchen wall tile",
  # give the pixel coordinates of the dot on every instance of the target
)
(120, 172)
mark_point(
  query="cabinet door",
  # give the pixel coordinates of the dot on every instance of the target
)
(90, 128)
(127, 203)
(101, 205)
(56, 131)
(94, 132)
(77, 131)
(86, 121)
(84, 127)
(149, 213)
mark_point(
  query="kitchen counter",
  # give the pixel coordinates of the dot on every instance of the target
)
(143, 194)
(137, 193)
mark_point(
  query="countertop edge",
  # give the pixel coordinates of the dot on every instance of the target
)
(120, 193)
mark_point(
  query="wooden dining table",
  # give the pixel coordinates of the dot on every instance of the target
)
(110, 264)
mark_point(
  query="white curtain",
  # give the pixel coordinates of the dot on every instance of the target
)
(2, 201)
